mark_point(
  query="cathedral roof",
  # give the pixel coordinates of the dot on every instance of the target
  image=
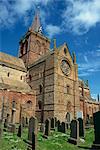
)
(12, 61)
(15, 85)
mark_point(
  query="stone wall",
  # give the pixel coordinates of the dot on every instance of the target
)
(20, 104)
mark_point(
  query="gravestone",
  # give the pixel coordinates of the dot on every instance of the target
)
(11, 128)
(32, 134)
(63, 127)
(74, 135)
(42, 128)
(5, 123)
(1, 130)
(47, 128)
(96, 119)
(19, 131)
(52, 123)
(55, 121)
(58, 126)
(81, 127)
(33, 127)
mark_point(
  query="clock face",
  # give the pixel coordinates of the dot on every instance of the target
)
(65, 67)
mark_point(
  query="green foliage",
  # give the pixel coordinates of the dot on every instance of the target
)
(56, 141)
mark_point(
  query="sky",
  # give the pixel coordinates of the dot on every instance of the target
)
(76, 22)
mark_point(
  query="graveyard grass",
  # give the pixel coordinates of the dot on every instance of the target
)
(56, 141)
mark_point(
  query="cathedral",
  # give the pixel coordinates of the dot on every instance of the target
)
(43, 82)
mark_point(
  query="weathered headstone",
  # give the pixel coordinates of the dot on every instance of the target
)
(5, 123)
(33, 127)
(74, 135)
(58, 126)
(19, 131)
(81, 127)
(63, 127)
(96, 119)
(11, 128)
(47, 128)
(42, 128)
(32, 134)
(53, 123)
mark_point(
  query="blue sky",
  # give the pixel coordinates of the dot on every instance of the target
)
(76, 22)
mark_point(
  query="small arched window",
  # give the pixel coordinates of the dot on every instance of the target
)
(68, 89)
(40, 104)
(40, 88)
(13, 104)
(26, 46)
(30, 77)
(29, 104)
(8, 74)
(22, 48)
(20, 77)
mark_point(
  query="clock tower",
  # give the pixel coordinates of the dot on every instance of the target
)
(33, 44)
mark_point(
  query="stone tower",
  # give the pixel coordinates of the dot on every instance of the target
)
(33, 44)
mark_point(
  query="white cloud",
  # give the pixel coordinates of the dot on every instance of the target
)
(81, 15)
(86, 59)
(52, 30)
(91, 64)
(11, 11)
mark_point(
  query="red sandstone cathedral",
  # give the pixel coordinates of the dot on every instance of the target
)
(43, 82)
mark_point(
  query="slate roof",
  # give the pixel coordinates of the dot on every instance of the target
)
(12, 61)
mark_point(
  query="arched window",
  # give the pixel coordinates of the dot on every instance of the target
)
(13, 104)
(8, 74)
(26, 46)
(30, 77)
(68, 89)
(29, 104)
(22, 48)
(40, 104)
(20, 77)
(40, 88)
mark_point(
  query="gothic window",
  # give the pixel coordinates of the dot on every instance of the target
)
(30, 78)
(8, 74)
(40, 104)
(68, 89)
(13, 104)
(26, 46)
(29, 104)
(20, 77)
(22, 48)
(40, 88)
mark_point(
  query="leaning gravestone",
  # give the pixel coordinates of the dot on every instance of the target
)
(47, 128)
(52, 123)
(96, 119)
(74, 135)
(81, 127)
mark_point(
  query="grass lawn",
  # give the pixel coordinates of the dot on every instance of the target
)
(57, 141)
